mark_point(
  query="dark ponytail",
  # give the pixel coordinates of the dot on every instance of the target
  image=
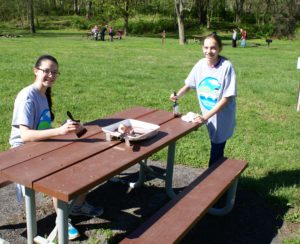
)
(49, 99)
(48, 91)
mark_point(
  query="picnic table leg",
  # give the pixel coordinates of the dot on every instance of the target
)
(62, 224)
(169, 171)
(230, 199)
(145, 170)
(30, 215)
(142, 175)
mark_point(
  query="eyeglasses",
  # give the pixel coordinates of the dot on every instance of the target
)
(48, 71)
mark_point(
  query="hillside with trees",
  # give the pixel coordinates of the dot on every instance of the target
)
(265, 18)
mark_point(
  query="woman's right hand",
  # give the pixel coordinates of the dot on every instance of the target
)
(69, 127)
(173, 97)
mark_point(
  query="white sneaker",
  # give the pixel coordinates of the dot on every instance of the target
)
(72, 231)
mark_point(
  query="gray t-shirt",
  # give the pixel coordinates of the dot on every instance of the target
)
(211, 85)
(30, 109)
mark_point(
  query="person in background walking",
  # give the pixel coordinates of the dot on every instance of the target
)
(95, 32)
(120, 34)
(234, 38)
(102, 33)
(243, 37)
(111, 33)
(163, 37)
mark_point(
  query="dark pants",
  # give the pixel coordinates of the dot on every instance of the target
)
(102, 36)
(217, 153)
(233, 43)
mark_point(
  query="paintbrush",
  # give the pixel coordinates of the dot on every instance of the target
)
(82, 130)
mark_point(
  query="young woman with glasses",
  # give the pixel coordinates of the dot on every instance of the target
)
(32, 117)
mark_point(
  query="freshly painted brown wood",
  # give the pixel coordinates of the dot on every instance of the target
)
(177, 217)
(80, 177)
(33, 149)
(27, 172)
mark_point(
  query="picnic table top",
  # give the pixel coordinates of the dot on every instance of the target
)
(65, 166)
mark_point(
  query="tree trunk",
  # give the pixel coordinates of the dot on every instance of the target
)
(208, 14)
(201, 7)
(88, 14)
(62, 6)
(180, 22)
(31, 16)
(239, 4)
(126, 17)
(75, 7)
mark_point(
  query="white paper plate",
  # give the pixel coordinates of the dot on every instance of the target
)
(142, 129)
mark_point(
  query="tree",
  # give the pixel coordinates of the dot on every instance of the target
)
(88, 14)
(76, 7)
(31, 16)
(284, 18)
(180, 20)
(239, 4)
(201, 8)
(125, 9)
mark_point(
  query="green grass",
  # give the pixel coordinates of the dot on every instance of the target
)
(100, 78)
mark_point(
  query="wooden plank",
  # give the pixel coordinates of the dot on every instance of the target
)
(177, 217)
(27, 172)
(33, 149)
(4, 181)
(69, 182)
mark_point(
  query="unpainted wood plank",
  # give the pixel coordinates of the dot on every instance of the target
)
(69, 182)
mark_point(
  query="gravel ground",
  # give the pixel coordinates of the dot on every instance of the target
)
(251, 220)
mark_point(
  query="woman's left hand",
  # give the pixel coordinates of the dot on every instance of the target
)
(199, 119)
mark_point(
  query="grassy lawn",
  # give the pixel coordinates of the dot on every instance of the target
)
(100, 78)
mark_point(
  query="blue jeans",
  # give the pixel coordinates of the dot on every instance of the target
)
(216, 152)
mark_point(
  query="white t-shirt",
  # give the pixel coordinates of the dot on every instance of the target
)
(30, 109)
(211, 85)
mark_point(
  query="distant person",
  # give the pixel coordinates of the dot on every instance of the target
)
(120, 34)
(32, 117)
(111, 33)
(102, 33)
(214, 80)
(95, 32)
(163, 37)
(243, 37)
(234, 38)
(269, 41)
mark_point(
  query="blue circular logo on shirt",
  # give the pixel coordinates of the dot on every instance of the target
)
(208, 92)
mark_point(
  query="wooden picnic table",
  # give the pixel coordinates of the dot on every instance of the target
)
(198, 38)
(66, 166)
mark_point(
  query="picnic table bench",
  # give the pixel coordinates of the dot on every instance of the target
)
(172, 222)
(198, 38)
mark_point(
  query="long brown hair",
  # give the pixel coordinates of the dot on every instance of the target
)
(48, 91)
